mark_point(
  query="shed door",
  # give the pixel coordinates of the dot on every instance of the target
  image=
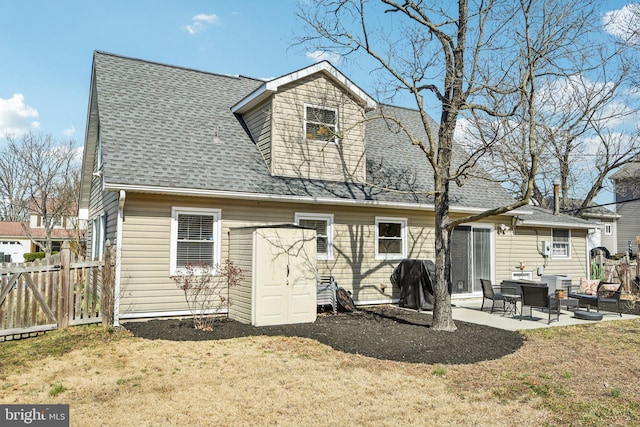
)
(285, 283)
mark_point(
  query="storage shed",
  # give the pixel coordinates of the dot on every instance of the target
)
(280, 279)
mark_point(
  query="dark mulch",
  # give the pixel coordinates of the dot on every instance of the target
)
(383, 332)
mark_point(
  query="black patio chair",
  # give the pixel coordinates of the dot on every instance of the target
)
(488, 292)
(538, 297)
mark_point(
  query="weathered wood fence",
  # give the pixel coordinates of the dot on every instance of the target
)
(60, 291)
(622, 271)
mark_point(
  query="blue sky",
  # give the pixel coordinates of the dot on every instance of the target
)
(46, 49)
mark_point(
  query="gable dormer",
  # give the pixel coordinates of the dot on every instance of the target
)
(310, 124)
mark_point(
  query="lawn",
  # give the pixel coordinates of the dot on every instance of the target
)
(579, 375)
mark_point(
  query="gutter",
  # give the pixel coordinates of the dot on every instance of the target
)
(194, 192)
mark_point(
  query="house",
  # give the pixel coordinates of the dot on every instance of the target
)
(627, 190)
(176, 158)
(605, 220)
(18, 238)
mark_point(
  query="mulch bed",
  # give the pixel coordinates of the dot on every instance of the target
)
(383, 332)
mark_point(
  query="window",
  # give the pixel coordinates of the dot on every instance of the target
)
(607, 229)
(561, 244)
(320, 124)
(323, 224)
(391, 238)
(195, 237)
(98, 236)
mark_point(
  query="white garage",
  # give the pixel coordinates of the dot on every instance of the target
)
(12, 251)
(279, 269)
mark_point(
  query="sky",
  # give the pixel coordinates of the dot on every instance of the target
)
(46, 49)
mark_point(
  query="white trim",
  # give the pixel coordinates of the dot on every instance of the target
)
(272, 86)
(554, 224)
(553, 255)
(177, 313)
(610, 227)
(217, 233)
(324, 217)
(403, 236)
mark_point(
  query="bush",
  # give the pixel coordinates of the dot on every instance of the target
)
(205, 290)
(32, 256)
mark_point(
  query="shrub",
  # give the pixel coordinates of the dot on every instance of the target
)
(205, 290)
(32, 256)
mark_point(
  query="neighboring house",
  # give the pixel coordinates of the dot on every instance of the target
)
(175, 158)
(15, 241)
(627, 189)
(605, 220)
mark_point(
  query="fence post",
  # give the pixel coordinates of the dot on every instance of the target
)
(106, 287)
(65, 285)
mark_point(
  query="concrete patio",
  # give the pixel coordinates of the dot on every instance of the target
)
(468, 310)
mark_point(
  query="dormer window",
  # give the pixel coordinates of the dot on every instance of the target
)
(321, 123)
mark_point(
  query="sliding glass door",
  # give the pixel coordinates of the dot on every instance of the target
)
(471, 258)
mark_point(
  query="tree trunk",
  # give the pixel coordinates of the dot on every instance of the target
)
(442, 313)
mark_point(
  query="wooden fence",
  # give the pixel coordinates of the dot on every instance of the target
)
(60, 291)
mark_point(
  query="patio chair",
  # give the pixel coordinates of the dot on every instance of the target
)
(488, 292)
(538, 297)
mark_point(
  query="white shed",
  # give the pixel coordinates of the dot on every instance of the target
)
(280, 278)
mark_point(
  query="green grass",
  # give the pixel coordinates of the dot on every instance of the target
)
(56, 389)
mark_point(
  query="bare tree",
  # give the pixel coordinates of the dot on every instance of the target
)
(42, 179)
(472, 60)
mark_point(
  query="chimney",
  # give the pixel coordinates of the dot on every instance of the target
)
(556, 196)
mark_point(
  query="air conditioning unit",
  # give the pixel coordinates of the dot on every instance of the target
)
(555, 281)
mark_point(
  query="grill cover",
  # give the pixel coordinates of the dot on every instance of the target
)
(415, 279)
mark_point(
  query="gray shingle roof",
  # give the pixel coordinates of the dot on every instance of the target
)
(158, 128)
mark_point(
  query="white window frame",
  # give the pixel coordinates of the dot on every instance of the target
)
(99, 152)
(322, 217)
(98, 236)
(608, 229)
(403, 235)
(217, 234)
(555, 255)
(306, 119)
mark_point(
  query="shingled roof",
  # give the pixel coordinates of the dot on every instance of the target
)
(168, 129)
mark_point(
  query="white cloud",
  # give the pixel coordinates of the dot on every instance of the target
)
(70, 131)
(200, 22)
(623, 23)
(318, 56)
(15, 116)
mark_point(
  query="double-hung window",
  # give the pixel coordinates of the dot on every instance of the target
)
(323, 224)
(391, 238)
(320, 123)
(561, 247)
(195, 238)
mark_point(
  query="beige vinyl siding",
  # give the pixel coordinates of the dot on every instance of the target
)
(241, 252)
(295, 156)
(145, 283)
(146, 287)
(525, 244)
(258, 122)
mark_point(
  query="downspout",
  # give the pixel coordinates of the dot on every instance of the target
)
(116, 288)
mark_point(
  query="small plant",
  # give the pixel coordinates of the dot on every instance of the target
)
(615, 392)
(566, 375)
(205, 290)
(439, 371)
(56, 389)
